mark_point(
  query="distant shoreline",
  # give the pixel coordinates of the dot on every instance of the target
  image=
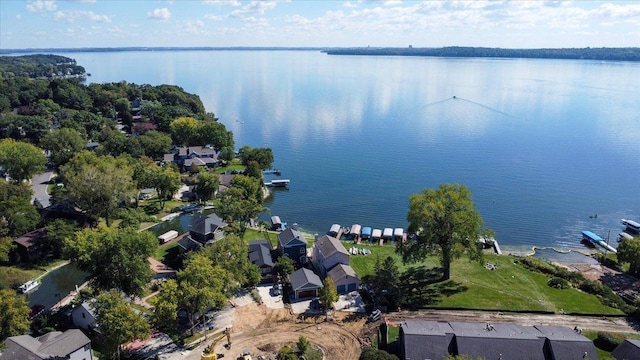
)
(602, 53)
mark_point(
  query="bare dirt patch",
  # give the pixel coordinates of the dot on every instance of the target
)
(264, 331)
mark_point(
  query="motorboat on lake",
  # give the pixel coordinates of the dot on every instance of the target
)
(28, 286)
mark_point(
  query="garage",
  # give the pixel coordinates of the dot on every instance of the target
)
(341, 289)
(305, 294)
(305, 283)
(352, 287)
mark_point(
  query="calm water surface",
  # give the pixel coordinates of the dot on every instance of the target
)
(542, 144)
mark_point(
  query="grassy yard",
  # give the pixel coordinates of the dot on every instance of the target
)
(13, 276)
(510, 287)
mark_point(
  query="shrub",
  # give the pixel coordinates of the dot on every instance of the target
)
(558, 283)
(608, 341)
(256, 296)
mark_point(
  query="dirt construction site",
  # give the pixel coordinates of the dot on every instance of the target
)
(264, 331)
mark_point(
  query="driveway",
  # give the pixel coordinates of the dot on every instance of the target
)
(269, 300)
(39, 184)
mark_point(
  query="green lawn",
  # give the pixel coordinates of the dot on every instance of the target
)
(13, 276)
(510, 287)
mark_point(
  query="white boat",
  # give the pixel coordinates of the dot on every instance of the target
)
(28, 286)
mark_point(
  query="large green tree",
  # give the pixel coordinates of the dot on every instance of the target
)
(17, 213)
(116, 258)
(165, 312)
(155, 144)
(57, 231)
(118, 323)
(63, 143)
(236, 207)
(185, 131)
(21, 160)
(14, 314)
(263, 156)
(98, 184)
(328, 294)
(446, 223)
(629, 253)
(232, 254)
(216, 135)
(201, 286)
(207, 185)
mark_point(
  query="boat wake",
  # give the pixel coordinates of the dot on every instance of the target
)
(484, 106)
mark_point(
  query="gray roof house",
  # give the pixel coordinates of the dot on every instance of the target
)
(260, 255)
(345, 278)
(565, 343)
(292, 243)
(305, 283)
(628, 350)
(497, 341)
(327, 253)
(71, 344)
(421, 339)
(203, 230)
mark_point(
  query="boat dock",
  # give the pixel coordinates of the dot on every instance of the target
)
(278, 183)
(597, 240)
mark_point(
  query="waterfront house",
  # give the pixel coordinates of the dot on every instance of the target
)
(292, 243)
(345, 278)
(203, 230)
(71, 344)
(305, 283)
(260, 255)
(83, 316)
(29, 246)
(327, 253)
(193, 156)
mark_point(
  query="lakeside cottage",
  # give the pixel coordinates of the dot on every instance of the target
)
(203, 230)
(71, 344)
(292, 243)
(327, 253)
(260, 255)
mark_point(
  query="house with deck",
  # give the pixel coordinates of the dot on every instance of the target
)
(292, 243)
(71, 344)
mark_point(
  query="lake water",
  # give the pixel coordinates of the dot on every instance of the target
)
(542, 144)
(55, 285)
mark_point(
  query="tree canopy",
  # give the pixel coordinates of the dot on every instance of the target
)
(98, 184)
(328, 294)
(118, 323)
(21, 160)
(14, 314)
(629, 253)
(446, 223)
(116, 258)
(63, 143)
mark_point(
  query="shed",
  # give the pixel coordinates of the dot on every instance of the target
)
(398, 233)
(366, 232)
(276, 223)
(387, 233)
(376, 234)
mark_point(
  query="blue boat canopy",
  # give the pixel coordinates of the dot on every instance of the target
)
(366, 231)
(591, 236)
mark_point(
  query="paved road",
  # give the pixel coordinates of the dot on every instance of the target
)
(39, 184)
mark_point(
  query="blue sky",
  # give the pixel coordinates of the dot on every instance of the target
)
(509, 24)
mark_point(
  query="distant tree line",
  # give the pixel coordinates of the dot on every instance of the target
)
(613, 54)
(39, 66)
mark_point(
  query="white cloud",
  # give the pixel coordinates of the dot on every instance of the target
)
(214, 17)
(253, 8)
(159, 14)
(222, 2)
(194, 27)
(392, 2)
(40, 6)
(618, 11)
(349, 4)
(73, 15)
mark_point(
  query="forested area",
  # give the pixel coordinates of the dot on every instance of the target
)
(612, 54)
(39, 66)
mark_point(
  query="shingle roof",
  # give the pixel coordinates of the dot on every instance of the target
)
(494, 341)
(629, 349)
(31, 238)
(53, 344)
(188, 244)
(206, 224)
(304, 278)
(260, 253)
(425, 339)
(341, 271)
(328, 245)
(565, 343)
(289, 235)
